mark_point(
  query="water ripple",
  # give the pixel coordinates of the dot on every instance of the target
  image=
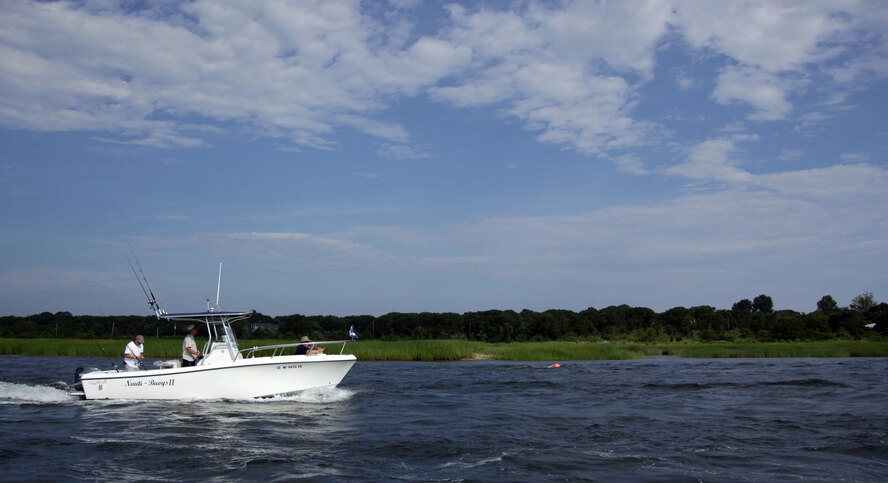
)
(661, 419)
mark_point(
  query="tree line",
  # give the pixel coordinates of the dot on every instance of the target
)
(751, 320)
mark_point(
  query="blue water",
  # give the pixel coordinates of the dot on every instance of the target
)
(657, 419)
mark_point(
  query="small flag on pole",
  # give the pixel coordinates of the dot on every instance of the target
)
(352, 333)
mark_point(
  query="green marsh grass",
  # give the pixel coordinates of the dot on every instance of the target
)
(564, 351)
(154, 348)
(415, 350)
(453, 350)
(831, 348)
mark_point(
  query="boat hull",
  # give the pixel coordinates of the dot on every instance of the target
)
(241, 379)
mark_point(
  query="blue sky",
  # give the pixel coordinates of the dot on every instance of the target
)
(367, 157)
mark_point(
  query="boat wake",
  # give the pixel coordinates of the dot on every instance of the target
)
(463, 465)
(11, 393)
(322, 395)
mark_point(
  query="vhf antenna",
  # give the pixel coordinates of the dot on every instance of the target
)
(218, 289)
(219, 285)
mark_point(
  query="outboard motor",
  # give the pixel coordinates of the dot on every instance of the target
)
(77, 387)
(78, 374)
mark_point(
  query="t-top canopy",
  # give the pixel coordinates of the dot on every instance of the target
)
(209, 316)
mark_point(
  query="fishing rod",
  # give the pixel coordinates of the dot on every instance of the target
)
(143, 282)
(110, 360)
(141, 366)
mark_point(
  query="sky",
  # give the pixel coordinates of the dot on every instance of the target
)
(350, 158)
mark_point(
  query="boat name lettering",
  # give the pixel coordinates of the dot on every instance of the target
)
(153, 382)
(163, 383)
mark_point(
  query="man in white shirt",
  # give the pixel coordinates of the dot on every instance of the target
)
(190, 354)
(132, 354)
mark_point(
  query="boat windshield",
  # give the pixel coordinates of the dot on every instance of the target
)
(225, 335)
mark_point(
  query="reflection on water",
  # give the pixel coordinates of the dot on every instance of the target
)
(235, 434)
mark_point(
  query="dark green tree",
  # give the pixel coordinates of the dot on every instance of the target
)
(678, 321)
(743, 306)
(827, 304)
(817, 325)
(863, 302)
(847, 323)
(592, 318)
(788, 325)
(763, 304)
(879, 315)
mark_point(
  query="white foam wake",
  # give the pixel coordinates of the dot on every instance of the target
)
(17, 393)
(321, 395)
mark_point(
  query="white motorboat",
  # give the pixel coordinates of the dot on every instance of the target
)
(225, 372)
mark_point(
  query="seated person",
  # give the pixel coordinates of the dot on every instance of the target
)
(305, 348)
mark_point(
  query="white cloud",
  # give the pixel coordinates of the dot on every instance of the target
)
(298, 71)
(631, 165)
(810, 122)
(774, 45)
(157, 134)
(865, 68)
(790, 154)
(685, 82)
(622, 35)
(837, 98)
(756, 87)
(855, 157)
(389, 131)
(530, 63)
(293, 70)
(400, 151)
(855, 186)
(771, 35)
(579, 75)
(711, 160)
(870, 41)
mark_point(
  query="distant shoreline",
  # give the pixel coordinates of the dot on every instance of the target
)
(462, 350)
